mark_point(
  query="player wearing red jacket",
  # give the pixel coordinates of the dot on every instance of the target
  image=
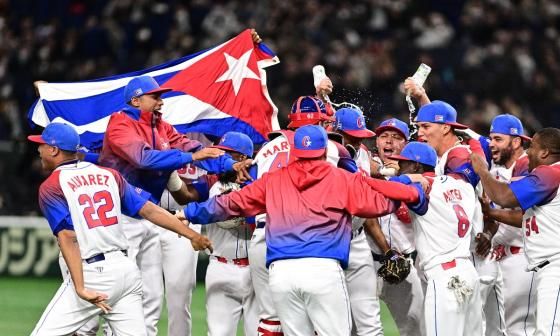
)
(309, 206)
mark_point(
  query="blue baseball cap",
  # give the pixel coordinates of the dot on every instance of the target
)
(310, 141)
(509, 125)
(394, 124)
(58, 135)
(142, 85)
(418, 152)
(439, 112)
(237, 142)
(352, 122)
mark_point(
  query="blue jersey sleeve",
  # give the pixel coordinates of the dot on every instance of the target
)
(203, 188)
(132, 199)
(421, 206)
(54, 206)
(91, 157)
(537, 188)
(217, 165)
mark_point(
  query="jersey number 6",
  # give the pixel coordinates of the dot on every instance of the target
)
(107, 206)
(462, 220)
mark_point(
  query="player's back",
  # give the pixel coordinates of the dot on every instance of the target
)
(443, 233)
(93, 201)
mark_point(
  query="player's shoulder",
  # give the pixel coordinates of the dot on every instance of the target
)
(521, 166)
(549, 173)
(460, 151)
(51, 185)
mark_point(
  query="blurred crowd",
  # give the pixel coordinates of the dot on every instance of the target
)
(488, 56)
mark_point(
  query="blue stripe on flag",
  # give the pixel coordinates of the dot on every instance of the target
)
(217, 127)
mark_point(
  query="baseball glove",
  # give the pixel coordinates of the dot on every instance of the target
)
(395, 267)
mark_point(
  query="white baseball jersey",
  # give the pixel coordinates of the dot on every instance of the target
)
(89, 199)
(538, 196)
(507, 234)
(443, 233)
(228, 243)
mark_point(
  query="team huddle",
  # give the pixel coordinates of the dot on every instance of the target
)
(457, 232)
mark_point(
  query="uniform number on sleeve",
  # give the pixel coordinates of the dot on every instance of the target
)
(531, 226)
(101, 200)
(462, 220)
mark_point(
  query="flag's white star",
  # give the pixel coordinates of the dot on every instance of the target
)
(237, 70)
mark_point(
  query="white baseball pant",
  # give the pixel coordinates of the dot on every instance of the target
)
(491, 294)
(519, 305)
(361, 280)
(269, 323)
(115, 276)
(547, 284)
(230, 296)
(92, 326)
(404, 301)
(443, 314)
(310, 296)
(179, 262)
(145, 249)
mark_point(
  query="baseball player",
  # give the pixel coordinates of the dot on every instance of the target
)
(438, 126)
(309, 205)
(146, 149)
(272, 156)
(361, 278)
(442, 229)
(393, 234)
(83, 203)
(537, 196)
(229, 292)
(508, 161)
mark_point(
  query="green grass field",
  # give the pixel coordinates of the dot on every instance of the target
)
(23, 300)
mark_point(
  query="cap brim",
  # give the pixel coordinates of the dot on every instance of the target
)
(308, 153)
(365, 133)
(159, 90)
(226, 148)
(457, 125)
(36, 139)
(382, 129)
(399, 158)
(524, 137)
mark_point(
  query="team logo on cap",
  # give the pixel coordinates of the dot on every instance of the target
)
(360, 122)
(513, 130)
(306, 141)
(138, 92)
(438, 117)
(223, 139)
(391, 123)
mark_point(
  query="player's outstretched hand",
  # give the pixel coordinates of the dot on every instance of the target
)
(241, 168)
(325, 87)
(255, 36)
(483, 244)
(200, 242)
(392, 164)
(95, 298)
(207, 153)
(478, 163)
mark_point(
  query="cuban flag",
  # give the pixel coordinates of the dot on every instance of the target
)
(214, 91)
